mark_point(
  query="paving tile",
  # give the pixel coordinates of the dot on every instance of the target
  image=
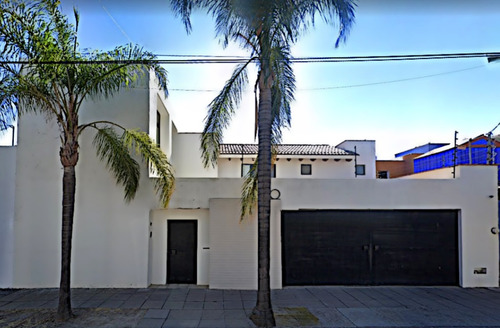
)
(52, 305)
(209, 323)
(231, 305)
(248, 295)
(428, 317)
(158, 297)
(133, 303)
(92, 304)
(13, 296)
(213, 305)
(193, 305)
(150, 323)
(195, 295)
(214, 296)
(231, 295)
(330, 317)
(111, 304)
(236, 323)
(185, 314)
(173, 305)
(234, 314)
(363, 317)
(179, 323)
(152, 304)
(212, 315)
(156, 314)
(24, 305)
(121, 297)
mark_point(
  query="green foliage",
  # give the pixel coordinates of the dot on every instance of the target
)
(267, 28)
(220, 112)
(249, 192)
(112, 149)
(42, 71)
(151, 153)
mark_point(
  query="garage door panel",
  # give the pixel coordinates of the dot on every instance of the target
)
(370, 247)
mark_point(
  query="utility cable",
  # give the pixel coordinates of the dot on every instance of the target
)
(239, 60)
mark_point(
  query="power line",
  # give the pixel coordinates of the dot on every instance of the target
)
(239, 60)
(354, 85)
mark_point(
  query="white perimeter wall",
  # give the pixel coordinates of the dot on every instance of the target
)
(290, 169)
(111, 238)
(233, 243)
(186, 157)
(367, 157)
(159, 230)
(7, 193)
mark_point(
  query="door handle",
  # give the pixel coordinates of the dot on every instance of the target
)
(172, 252)
(376, 247)
(365, 247)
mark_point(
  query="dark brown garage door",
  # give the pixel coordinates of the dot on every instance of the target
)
(351, 247)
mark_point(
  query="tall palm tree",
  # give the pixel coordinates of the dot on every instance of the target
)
(43, 72)
(267, 28)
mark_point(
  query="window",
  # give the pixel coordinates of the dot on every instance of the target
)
(158, 128)
(360, 169)
(245, 168)
(383, 175)
(305, 169)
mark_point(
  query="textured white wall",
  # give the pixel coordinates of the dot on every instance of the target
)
(111, 238)
(290, 169)
(186, 157)
(158, 258)
(469, 193)
(7, 196)
(367, 157)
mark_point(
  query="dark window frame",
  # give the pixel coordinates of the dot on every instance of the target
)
(158, 128)
(243, 171)
(305, 169)
(360, 166)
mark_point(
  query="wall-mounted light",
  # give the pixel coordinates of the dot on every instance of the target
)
(494, 230)
(275, 194)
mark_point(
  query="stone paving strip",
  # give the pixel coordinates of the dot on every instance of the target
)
(294, 307)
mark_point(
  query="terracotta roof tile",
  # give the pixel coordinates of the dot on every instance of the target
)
(283, 149)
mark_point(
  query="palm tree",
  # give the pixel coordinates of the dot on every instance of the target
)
(267, 28)
(42, 72)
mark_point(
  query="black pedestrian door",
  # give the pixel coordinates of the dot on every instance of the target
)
(353, 247)
(181, 251)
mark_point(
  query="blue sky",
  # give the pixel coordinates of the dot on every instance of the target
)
(399, 104)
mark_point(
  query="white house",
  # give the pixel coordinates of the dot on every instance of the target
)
(332, 221)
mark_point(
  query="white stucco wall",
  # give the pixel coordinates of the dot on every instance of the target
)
(367, 155)
(111, 238)
(186, 157)
(7, 196)
(338, 168)
(158, 255)
(469, 193)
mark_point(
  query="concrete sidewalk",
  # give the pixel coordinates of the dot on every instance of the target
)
(294, 307)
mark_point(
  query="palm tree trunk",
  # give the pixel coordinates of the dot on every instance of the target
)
(262, 314)
(64, 311)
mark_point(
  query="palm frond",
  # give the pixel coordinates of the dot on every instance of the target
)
(111, 148)
(220, 112)
(282, 90)
(249, 192)
(151, 153)
(104, 80)
(183, 9)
